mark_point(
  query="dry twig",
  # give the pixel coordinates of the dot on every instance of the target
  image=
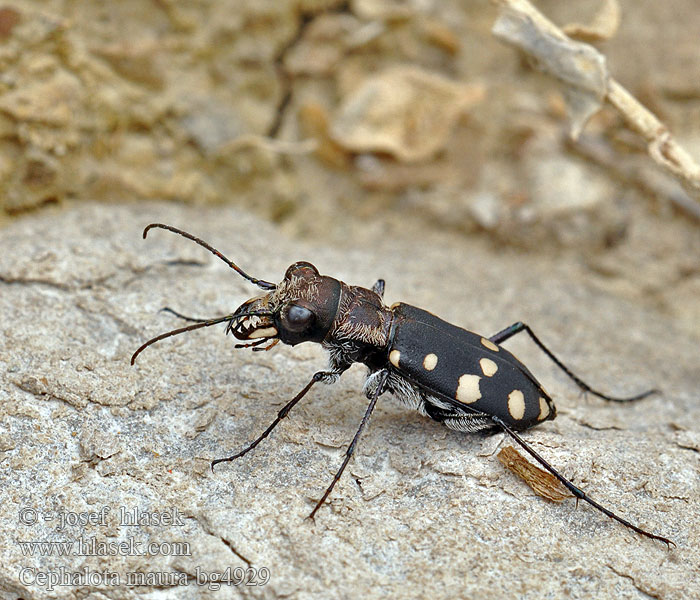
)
(582, 68)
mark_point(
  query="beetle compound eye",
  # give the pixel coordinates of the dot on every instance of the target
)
(298, 318)
(301, 268)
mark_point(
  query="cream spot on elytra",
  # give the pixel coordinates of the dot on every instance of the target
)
(488, 367)
(489, 344)
(430, 361)
(468, 389)
(394, 357)
(516, 404)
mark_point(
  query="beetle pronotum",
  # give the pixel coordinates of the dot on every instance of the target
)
(466, 381)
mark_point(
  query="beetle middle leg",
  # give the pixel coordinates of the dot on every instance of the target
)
(376, 392)
(516, 328)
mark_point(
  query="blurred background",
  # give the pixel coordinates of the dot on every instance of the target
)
(341, 120)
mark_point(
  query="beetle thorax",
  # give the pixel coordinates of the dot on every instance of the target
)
(362, 319)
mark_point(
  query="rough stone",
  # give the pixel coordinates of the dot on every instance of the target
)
(422, 511)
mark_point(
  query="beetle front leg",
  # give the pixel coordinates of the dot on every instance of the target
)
(351, 448)
(320, 376)
(516, 328)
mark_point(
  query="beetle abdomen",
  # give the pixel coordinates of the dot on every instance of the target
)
(472, 372)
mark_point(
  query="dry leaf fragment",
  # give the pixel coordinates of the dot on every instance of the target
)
(542, 482)
(522, 25)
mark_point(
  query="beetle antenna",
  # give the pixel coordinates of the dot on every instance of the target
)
(199, 325)
(181, 316)
(265, 285)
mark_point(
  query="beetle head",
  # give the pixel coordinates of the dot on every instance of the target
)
(300, 309)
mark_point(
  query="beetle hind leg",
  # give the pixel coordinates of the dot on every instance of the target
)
(577, 492)
(516, 328)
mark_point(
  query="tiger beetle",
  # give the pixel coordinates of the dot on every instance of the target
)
(459, 378)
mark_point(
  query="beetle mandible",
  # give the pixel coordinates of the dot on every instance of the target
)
(464, 380)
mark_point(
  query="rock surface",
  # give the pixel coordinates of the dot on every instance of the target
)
(421, 511)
